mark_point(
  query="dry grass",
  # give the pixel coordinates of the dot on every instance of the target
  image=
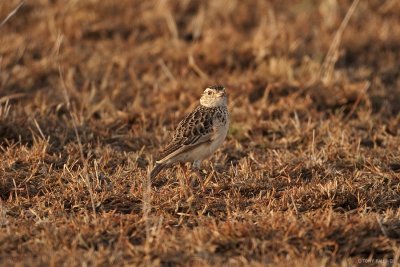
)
(309, 174)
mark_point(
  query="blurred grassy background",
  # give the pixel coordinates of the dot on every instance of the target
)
(309, 174)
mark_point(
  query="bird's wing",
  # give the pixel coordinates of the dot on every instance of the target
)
(195, 129)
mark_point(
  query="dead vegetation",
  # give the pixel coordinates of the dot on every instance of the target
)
(308, 176)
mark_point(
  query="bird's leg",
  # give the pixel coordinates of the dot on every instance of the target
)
(196, 171)
(184, 171)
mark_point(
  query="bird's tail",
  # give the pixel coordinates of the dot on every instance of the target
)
(157, 168)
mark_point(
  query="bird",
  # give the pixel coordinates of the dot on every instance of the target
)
(199, 134)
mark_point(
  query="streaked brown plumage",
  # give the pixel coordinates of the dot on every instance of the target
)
(199, 134)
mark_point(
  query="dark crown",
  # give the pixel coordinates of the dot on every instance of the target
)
(217, 87)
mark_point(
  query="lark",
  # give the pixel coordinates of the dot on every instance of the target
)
(199, 134)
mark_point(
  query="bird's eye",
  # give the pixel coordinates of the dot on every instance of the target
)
(208, 92)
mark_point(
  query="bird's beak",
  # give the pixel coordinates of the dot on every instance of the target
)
(222, 94)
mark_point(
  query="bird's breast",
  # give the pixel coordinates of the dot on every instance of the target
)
(220, 131)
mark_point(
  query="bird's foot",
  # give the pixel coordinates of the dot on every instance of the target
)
(199, 178)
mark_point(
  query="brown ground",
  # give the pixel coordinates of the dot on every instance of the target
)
(309, 174)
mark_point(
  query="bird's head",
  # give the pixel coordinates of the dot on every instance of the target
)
(214, 96)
